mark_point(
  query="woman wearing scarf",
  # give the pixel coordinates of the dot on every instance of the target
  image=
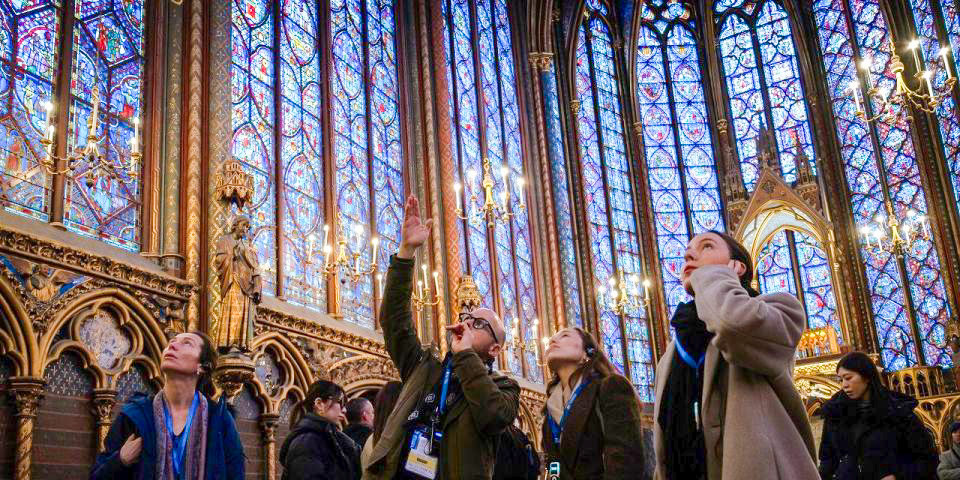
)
(726, 406)
(591, 427)
(179, 433)
(316, 449)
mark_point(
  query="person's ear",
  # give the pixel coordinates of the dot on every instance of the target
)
(494, 350)
(739, 268)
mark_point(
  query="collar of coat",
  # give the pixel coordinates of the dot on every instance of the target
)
(575, 426)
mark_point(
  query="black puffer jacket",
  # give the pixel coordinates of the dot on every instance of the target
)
(317, 450)
(892, 440)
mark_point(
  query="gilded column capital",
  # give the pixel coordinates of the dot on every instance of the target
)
(575, 107)
(638, 128)
(104, 399)
(722, 126)
(27, 393)
(268, 425)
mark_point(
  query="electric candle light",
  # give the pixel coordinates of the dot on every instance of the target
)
(326, 234)
(436, 281)
(375, 242)
(926, 77)
(456, 194)
(946, 63)
(425, 283)
(912, 46)
(134, 142)
(380, 284)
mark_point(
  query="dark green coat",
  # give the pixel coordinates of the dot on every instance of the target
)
(470, 428)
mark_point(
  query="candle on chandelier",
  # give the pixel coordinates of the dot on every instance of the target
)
(926, 77)
(375, 242)
(505, 172)
(310, 241)
(326, 234)
(456, 194)
(380, 285)
(855, 90)
(865, 64)
(426, 283)
(48, 106)
(420, 289)
(646, 288)
(50, 133)
(134, 142)
(946, 63)
(520, 183)
(436, 281)
(913, 46)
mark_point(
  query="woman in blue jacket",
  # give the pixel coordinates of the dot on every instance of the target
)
(179, 433)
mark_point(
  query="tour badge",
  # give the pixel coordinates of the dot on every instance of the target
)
(553, 471)
(419, 461)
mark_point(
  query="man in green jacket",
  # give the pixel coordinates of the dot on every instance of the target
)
(450, 411)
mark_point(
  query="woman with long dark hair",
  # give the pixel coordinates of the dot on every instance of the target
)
(726, 405)
(179, 433)
(871, 433)
(316, 448)
(592, 417)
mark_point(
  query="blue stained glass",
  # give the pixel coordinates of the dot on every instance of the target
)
(782, 74)
(924, 20)
(603, 159)
(888, 296)
(252, 78)
(775, 267)
(301, 155)
(817, 286)
(385, 123)
(562, 203)
(28, 46)
(685, 192)
(744, 90)
(108, 52)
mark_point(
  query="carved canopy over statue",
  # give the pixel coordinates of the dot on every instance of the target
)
(238, 270)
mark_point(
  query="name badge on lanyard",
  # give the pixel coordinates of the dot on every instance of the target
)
(556, 429)
(424, 445)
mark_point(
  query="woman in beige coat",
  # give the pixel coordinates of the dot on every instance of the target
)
(726, 407)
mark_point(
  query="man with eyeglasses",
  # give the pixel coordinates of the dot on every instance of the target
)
(451, 410)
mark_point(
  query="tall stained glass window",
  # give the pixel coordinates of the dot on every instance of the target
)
(763, 83)
(676, 137)
(607, 186)
(108, 51)
(908, 295)
(937, 24)
(560, 183)
(485, 122)
(278, 103)
(794, 262)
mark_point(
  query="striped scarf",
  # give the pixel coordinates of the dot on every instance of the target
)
(195, 452)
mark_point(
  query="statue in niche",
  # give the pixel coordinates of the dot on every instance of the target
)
(238, 270)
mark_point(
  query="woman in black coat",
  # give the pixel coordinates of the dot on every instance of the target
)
(871, 433)
(316, 449)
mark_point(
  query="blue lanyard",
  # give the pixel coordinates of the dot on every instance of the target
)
(443, 390)
(179, 443)
(557, 429)
(688, 359)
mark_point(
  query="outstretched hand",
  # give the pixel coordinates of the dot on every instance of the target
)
(415, 231)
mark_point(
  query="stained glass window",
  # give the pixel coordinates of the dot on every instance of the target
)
(936, 31)
(763, 85)
(485, 122)
(881, 166)
(107, 66)
(676, 140)
(277, 125)
(561, 197)
(791, 258)
(607, 186)
(28, 55)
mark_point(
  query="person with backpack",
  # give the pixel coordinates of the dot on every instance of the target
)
(591, 427)
(872, 433)
(316, 449)
(516, 457)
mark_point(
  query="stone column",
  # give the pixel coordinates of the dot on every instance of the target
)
(27, 392)
(104, 400)
(268, 423)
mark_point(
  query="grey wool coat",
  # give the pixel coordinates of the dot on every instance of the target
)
(755, 424)
(949, 467)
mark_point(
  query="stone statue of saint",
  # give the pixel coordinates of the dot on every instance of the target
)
(238, 270)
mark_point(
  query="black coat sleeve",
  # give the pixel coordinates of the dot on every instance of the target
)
(919, 459)
(306, 459)
(108, 465)
(828, 456)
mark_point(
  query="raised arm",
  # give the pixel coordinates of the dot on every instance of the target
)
(396, 317)
(757, 333)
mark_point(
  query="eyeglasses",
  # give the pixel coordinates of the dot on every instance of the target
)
(478, 323)
(340, 401)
